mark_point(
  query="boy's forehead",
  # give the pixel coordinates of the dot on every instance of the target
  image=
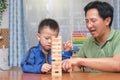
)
(49, 31)
(49, 28)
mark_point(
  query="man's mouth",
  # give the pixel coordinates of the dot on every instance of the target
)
(92, 31)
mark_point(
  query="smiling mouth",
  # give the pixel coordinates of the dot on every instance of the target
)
(92, 31)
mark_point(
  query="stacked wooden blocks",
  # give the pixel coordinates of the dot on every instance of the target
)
(56, 58)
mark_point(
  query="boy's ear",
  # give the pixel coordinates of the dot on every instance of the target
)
(38, 36)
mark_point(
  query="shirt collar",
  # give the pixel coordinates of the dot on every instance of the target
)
(112, 32)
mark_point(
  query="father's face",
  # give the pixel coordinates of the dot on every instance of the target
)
(95, 24)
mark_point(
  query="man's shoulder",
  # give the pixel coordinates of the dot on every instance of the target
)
(117, 33)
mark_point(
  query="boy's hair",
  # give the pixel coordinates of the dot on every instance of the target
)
(105, 10)
(51, 23)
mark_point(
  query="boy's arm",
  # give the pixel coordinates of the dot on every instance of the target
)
(66, 54)
(31, 66)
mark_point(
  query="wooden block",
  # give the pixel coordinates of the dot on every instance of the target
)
(70, 70)
(56, 65)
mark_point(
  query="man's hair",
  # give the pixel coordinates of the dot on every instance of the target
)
(105, 10)
(51, 23)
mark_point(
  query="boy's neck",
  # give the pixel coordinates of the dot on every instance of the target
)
(45, 52)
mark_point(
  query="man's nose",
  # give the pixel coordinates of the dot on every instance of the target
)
(89, 25)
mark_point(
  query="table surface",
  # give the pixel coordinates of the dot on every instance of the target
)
(19, 75)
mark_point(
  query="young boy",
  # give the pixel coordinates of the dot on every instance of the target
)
(38, 59)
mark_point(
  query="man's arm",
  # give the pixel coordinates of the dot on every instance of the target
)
(101, 64)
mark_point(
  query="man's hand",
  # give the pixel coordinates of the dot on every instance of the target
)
(69, 63)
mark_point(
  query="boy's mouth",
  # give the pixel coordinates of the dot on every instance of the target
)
(49, 46)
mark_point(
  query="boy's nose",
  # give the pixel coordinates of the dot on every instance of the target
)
(49, 40)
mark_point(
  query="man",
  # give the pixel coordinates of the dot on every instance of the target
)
(101, 52)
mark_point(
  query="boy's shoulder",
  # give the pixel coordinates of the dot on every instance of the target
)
(34, 49)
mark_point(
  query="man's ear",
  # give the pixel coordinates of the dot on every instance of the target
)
(38, 36)
(108, 20)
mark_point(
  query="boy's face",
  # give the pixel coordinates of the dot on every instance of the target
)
(45, 38)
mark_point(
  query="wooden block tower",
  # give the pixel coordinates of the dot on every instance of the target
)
(56, 58)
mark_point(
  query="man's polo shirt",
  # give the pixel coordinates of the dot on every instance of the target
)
(92, 49)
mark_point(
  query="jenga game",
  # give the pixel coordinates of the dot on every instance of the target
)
(56, 58)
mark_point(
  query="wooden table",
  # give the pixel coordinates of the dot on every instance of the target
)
(19, 75)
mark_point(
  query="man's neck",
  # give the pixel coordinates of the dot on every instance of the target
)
(102, 39)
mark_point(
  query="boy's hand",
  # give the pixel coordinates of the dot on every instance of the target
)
(46, 67)
(67, 46)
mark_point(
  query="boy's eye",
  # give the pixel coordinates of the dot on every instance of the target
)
(47, 38)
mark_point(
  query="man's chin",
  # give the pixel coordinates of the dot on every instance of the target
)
(93, 35)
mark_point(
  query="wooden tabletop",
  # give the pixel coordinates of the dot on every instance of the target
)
(19, 75)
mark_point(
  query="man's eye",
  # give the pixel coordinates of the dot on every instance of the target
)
(86, 21)
(93, 20)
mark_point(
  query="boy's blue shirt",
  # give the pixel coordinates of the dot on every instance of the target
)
(37, 58)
